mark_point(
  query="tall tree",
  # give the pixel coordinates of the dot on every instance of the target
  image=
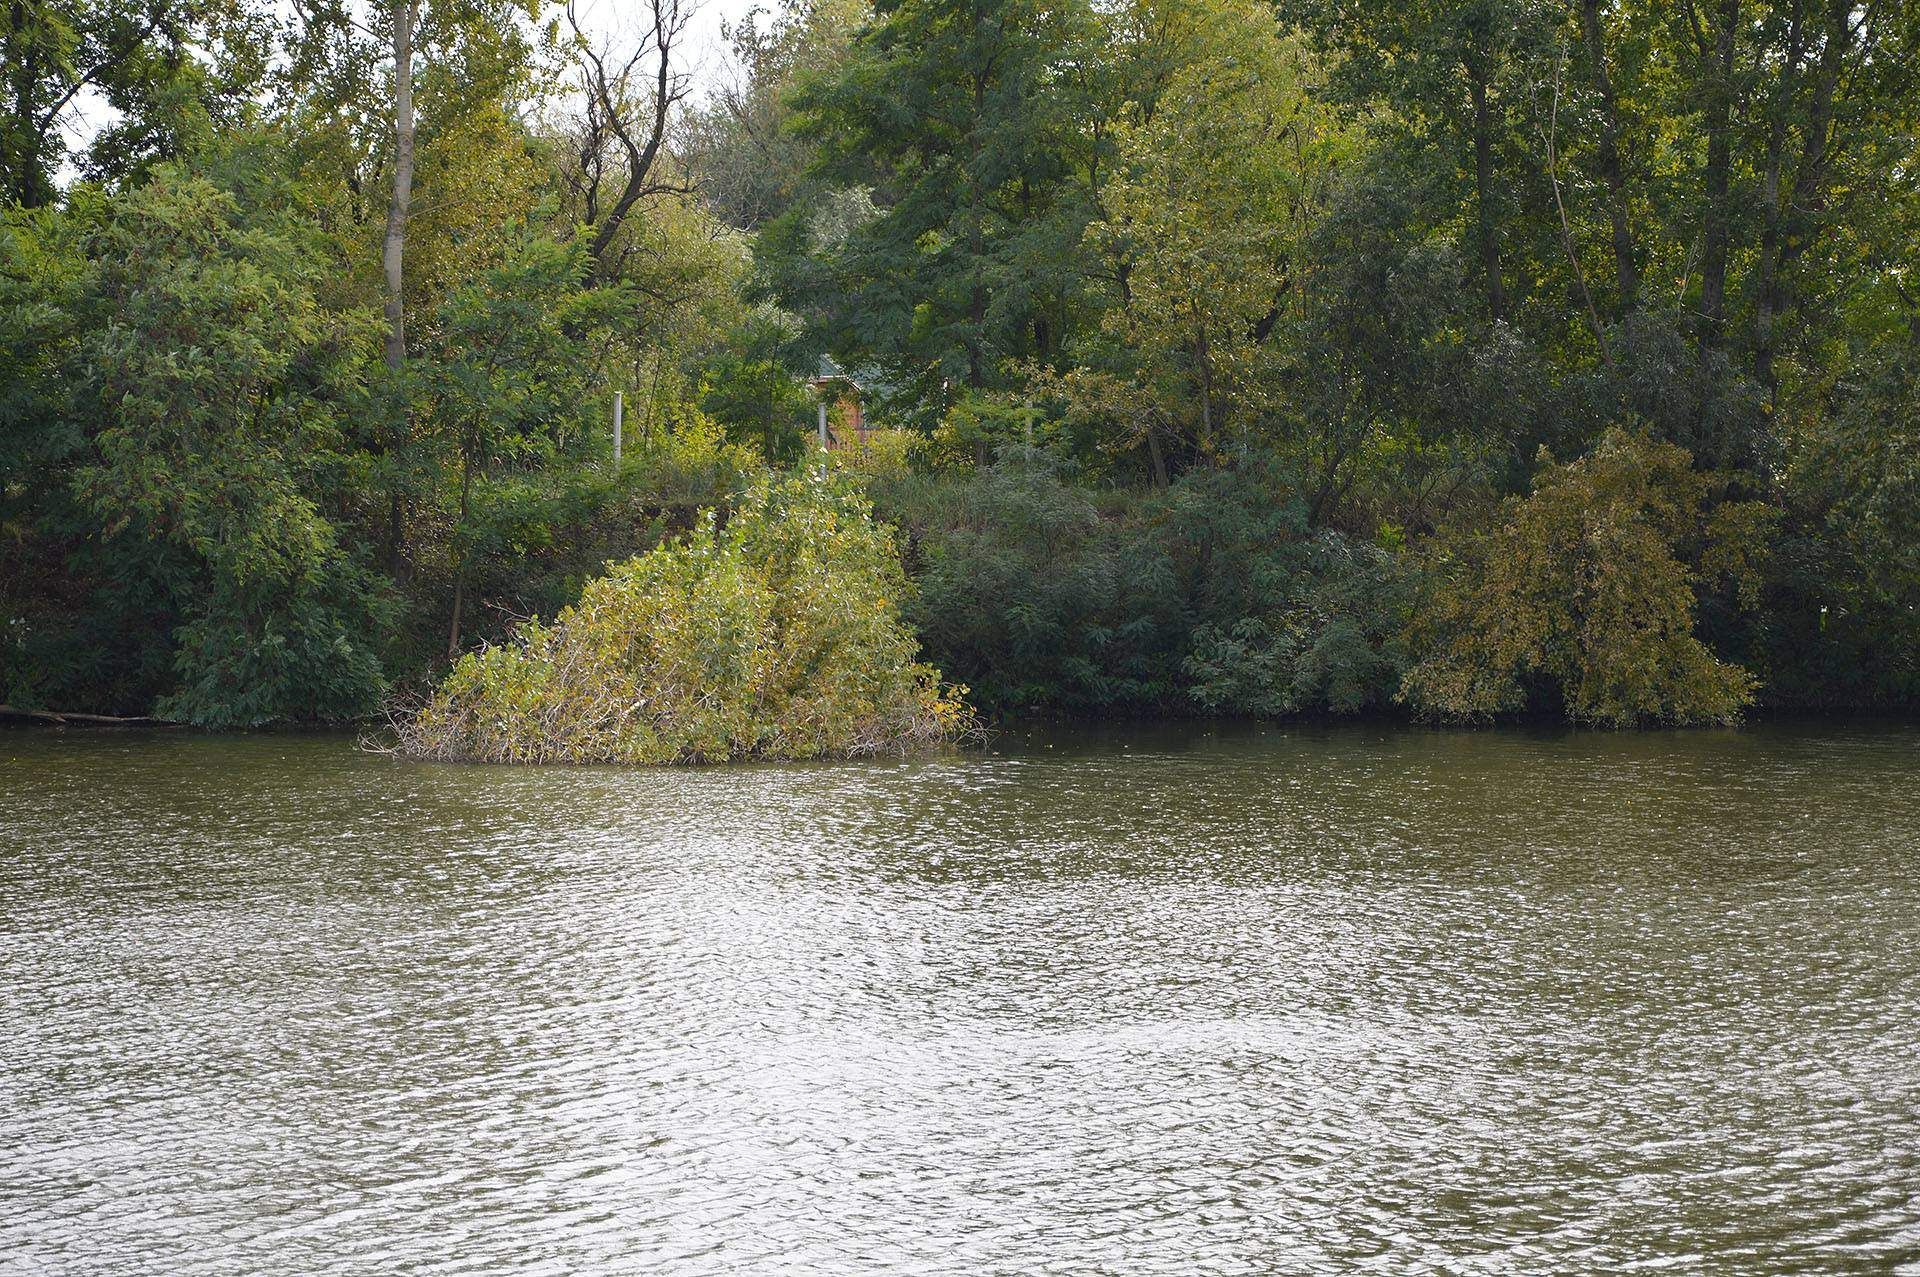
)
(951, 112)
(512, 363)
(390, 99)
(752, 166)
(631, 98)
(394, 245)
(1445, 73)
(221, 386)
(1216, 179)
(1713, 36)
(1611, 162)
(169, 66)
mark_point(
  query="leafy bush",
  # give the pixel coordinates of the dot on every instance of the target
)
(535, 536)
(887, 455)
(1842, 620)
(1588, 587)
(689, 463)
(756, 396)
(777, 635)
(1334, 645)
(1024, 586)
(304, 650)
(1044, 594)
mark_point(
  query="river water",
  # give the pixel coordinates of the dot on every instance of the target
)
(1143, 1002)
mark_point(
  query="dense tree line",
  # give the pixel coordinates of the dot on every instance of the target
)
(1476, 357)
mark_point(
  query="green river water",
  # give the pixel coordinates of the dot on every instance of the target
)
(1147, 1001)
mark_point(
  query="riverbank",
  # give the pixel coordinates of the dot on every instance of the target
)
(1043, 727)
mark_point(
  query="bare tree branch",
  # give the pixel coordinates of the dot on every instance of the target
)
(124, 49)
(630, 104)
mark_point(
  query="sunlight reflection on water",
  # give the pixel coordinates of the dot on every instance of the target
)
(1147, 1002)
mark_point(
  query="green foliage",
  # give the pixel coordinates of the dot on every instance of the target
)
(507, 367)
(46, 280)
(1588, 586)
(1045, 596)
(961, 119)
(535, 536)
(1841, 624)
(777, 635)
(507, 377)
(1204, 215)
(1859, 466)
(1203, 318)
(1018, 575)
(690, 463)
(753, 391)
(171, 72)
(1335, 644)
(755, 165)
(888, 456)
(222, 386)
(305, 649)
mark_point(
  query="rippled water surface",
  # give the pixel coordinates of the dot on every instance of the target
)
(1156, 1003)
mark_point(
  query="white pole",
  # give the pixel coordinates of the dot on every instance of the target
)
(619, 407)
(823, 420)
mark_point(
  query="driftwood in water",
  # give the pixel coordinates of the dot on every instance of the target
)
(64, 719)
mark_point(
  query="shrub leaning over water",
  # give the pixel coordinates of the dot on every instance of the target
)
(777, 635)
(1590, 586)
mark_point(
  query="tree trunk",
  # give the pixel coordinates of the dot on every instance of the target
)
(976, 242)
(460, 562)
(1156, 456)
(1612, 170)
(1483, 192)
(977, 318)
(23, 149)
(459, 602)
(1786, 233)
(1765, 269)
(393, 251)
(1203, 368)
(669, 20)
(396, 241)
(1716, 215)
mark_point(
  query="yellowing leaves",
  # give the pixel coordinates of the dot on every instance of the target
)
(1588, 585)
(775, 636)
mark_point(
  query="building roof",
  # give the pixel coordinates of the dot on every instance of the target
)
(830, 374)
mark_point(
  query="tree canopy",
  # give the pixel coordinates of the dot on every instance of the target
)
(1468, 358)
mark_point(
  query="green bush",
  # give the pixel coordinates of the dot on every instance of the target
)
(535, 537)
(305, 650)
(1047, 595)
(1587, 589)
(1841, 625)
(775, 635)
(1016, 580)
(1335, 644)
